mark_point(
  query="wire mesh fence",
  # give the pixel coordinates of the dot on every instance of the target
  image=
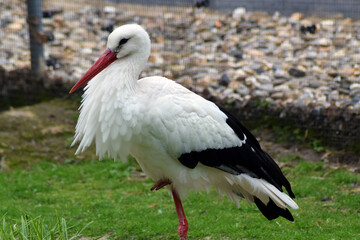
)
(300, 68)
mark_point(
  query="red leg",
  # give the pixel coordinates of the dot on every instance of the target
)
(160, 184)
(183, 224)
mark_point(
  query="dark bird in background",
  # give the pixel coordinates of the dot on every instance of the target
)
(51, 13)
(51, 62)
(308, 29)
(108, 27)
(202, 3)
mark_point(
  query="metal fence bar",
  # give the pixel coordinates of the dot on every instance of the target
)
(36, 44)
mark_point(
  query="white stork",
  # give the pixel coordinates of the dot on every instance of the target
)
(180, 140)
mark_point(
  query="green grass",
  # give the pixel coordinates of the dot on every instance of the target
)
(116, 200)
(35, 228)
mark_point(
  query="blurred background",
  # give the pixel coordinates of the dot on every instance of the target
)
(278, 62)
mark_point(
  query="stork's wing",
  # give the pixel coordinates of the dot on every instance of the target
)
(248, 158)
(185, 122)
(196, 130)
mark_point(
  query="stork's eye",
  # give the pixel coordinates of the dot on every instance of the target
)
(123, 41)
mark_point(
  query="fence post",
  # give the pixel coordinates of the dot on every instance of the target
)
(34, 20)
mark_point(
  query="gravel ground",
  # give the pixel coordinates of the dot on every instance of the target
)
(302, 70)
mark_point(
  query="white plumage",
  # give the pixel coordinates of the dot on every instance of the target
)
(161, 123)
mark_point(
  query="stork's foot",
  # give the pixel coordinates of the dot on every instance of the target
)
(183, 229)
(160, 184)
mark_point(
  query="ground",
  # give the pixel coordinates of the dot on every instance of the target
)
(42, 179)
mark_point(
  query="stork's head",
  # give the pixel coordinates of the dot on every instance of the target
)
(129, 41)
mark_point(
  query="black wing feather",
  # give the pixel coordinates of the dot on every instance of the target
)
(249, 159)
(268, 169)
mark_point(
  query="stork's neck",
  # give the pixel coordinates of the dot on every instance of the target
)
(122, 75)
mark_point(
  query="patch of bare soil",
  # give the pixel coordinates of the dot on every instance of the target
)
(42, 132)
(333, 158)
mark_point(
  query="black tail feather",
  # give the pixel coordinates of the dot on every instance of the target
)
(272, 211)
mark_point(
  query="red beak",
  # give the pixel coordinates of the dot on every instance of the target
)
(104, 60)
